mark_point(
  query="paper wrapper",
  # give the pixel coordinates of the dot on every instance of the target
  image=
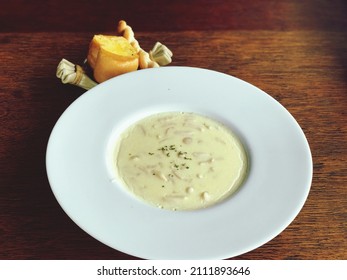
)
(70, 73)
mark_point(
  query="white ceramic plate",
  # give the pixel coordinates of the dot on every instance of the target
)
(80, 174)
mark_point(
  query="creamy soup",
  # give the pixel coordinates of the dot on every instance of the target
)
(180, 161)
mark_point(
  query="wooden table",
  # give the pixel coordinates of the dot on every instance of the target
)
(296, 51)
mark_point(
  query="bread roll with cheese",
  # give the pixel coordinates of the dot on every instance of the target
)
(110, 56)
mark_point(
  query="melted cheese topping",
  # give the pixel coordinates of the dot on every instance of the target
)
(180, 161)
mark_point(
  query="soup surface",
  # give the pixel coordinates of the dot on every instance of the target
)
(180, 161)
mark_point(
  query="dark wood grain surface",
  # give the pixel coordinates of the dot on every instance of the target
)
(296, 51)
